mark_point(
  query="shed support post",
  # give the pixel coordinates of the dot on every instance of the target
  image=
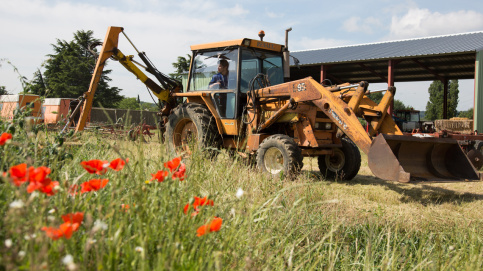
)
(478, 106)
(390, 82)
(445, 98)
(323, 73)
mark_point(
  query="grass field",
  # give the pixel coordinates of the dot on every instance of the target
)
(268, 224)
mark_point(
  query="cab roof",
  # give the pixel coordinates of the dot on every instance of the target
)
(240, 42)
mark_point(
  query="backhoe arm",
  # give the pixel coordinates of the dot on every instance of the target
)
(110, 50)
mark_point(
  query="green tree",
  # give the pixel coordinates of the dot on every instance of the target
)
(37, 85)
(434, 107)
(129, 103)
(466, 114)
(376, 97)
(149, 107)
(181, 66)
(68, 72)
(398, 104)
(3, 90)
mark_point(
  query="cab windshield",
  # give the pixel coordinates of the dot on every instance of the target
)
(215, 70)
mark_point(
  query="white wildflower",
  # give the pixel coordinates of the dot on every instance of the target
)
(139, 249)
(239, 193)
(17, 204)
(51, 218)
(68, 259)
(8, 243)
(91, 241)
(21, 253)
(51, 211)
(99, 225)
(28, 237)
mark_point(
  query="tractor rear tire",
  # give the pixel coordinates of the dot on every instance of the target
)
(343, 165)
(479, 147)
(279, 153)
(192, 126)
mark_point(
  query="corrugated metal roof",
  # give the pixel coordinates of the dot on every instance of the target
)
(430, 46)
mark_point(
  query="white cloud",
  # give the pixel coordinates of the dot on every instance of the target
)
(366, 25)
(273, 15)
(422, 22)
(163, 30)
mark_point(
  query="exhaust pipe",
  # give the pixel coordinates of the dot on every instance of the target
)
(406, 158)
(286, 57)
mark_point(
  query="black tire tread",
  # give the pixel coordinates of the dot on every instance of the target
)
(351, 166)
(294, 153)
(208, 135)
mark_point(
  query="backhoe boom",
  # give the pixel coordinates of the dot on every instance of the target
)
(110, 50)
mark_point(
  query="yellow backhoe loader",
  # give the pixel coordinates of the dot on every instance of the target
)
(237, 97)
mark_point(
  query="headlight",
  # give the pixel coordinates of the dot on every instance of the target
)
(323, 126)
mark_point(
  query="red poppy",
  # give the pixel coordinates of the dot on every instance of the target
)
(180, 172)
(202, 201)
(4, 138)
(67, 229)
(75, 219)
(95, 166)
(93, 185)
(173, 164)
(185, 209)
(38, 178)
(53, 233)
(125, 207)
(18, 174)
(50, 188)
(214, 225)
(71, 224)
(118, 164)
(198, 202)
(159, 175)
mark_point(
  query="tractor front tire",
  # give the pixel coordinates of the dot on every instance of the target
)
(192, 126)
(279, 153)
(344, 164)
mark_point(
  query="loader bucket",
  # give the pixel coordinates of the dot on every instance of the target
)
(407, 158)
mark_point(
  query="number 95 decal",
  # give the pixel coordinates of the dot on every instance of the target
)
(299, 87)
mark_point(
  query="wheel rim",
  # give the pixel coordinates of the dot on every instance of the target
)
(185, 132)
(273, 160)
(335, 162)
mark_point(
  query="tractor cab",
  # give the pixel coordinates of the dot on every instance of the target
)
(224, 71)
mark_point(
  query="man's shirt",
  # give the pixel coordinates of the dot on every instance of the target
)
(220, 78)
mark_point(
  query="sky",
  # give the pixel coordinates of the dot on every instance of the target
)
(166, 29)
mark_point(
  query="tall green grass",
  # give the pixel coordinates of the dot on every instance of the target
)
(276, 224)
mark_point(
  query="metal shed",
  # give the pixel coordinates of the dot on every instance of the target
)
(55, 109)
(8, 104)
(458, 56)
